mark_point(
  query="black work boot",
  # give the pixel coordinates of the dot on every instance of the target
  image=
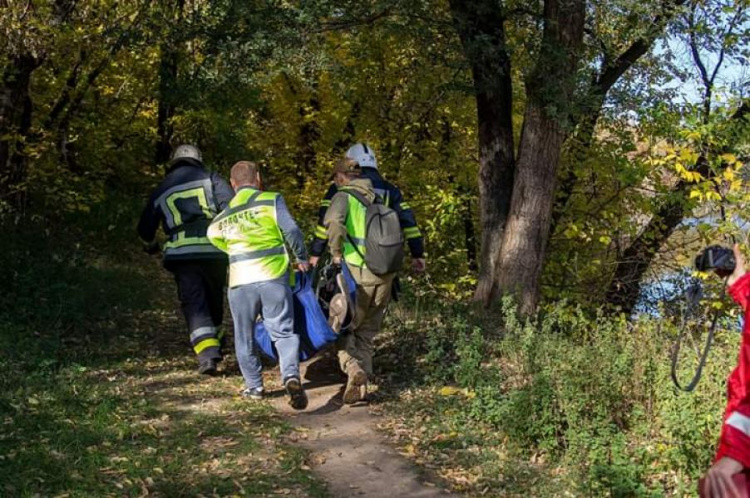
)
(297, 396)
(207, 367)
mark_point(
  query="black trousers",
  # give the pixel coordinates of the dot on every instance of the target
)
(200, 288)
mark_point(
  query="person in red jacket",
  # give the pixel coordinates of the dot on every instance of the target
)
(733, 454)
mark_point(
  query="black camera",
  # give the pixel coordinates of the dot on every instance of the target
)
(716, 258)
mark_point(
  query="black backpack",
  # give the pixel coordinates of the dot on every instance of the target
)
(384, 242)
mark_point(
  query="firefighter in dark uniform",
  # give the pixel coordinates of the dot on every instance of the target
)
(184, 203)
(390, 194)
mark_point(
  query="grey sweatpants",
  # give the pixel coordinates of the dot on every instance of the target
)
(273, 301)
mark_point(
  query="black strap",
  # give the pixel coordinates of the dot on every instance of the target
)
(704, 355)
(709, 339)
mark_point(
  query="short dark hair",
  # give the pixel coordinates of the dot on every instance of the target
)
(245, 172)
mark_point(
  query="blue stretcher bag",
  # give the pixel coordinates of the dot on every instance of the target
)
(310, 321)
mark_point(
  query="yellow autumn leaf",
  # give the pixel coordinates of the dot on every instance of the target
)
(448, 391)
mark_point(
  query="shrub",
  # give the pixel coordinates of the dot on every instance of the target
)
(591, 392)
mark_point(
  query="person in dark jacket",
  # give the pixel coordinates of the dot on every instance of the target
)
(392, 197)
(184, 203)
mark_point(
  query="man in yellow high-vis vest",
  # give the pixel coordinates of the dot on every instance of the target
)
(253, 231)
(345, 225)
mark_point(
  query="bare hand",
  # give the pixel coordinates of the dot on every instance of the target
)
(303, 266)
(314, 260)
(419, 265)
(739, 268)
(337, 260)
(718, 481)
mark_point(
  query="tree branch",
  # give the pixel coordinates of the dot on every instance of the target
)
(622, 63)
(694, 49)
(348, 24)
(727, 34)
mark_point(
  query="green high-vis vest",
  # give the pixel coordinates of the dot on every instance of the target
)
(248, 231)
(355, 227)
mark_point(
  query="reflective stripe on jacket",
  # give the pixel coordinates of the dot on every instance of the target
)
(184, 204)
(248, 231)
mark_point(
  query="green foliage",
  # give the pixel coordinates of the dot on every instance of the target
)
(589, 395)
(97, 383)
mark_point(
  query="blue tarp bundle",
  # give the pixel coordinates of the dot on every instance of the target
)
(310, 321)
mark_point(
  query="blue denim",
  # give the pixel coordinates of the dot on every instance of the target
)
(273, 301)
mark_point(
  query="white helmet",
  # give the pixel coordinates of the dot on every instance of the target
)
(363, 155)
(186, 151)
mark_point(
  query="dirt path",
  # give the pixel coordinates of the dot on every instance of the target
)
(347, 451)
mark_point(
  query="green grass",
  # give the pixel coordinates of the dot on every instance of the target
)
(105, 432)
(98, 390)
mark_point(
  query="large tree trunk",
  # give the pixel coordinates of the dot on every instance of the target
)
(548, 112)
(525, 240)
(169, 65)
(15, 125)
(480, 25)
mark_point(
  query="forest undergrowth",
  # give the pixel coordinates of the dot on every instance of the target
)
(566, 404)
(99, 394)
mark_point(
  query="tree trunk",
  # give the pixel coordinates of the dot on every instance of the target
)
(348, 134)
(480, 25)
(15, 125)
(525, 238)
(625, 288)
(549, 111)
